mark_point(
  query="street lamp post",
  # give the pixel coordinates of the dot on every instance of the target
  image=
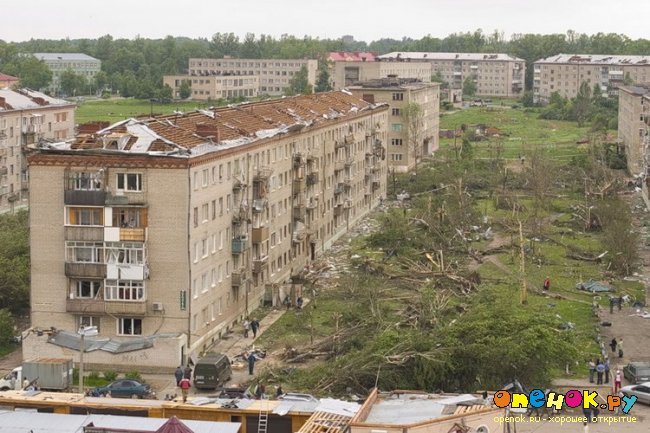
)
(90, 331)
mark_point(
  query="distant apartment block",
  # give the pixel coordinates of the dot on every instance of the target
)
(633, 119)
(79, 63)
(405, 145)
(495, 75)
(274, 74)
(8, 80)
(165, 232)
(26, 117)
(215, 87)
(349, 72)
(564, 73)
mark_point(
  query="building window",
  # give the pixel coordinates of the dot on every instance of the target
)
(398, 96)
(124, 290)
(129, 217)
(85, 216)
(129, 182)
(396, 112)
(129, 326)
(205, 213)
(85, 321)
(396, 141)
(396, 127)
(125, 253)
(87, 289)
(84, 252)
(82, 181)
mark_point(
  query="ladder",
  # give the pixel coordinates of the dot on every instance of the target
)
(263, 419)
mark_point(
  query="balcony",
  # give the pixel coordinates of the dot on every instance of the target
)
(24, 185)
(238, 278)
(3, 171)
(3, 152)
(349, 139)
(298, 185)
(259, 205)
(85, 270)
(313, 203)
(312, 178)
(134, 308)
(339, 165)
(85, 306)
(85, 198)
(133, 234)
(239, 245)
(123, 199)
(260, 234)
(338, 210)
(263, 174)
(298, 160)
(82, 233)
(375, 185)
(259, 264)
(339, 189)
(299, 212)
(349, 161)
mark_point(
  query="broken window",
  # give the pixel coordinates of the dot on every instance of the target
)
(129, 217)
(83, 181)
(87, 289)
(124, 290)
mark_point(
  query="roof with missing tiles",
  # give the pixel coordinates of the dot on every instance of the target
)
(26, 99)
(196, 133)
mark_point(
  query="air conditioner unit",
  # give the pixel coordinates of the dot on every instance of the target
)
(158, 306)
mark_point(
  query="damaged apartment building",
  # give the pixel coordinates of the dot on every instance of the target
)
(164, 232)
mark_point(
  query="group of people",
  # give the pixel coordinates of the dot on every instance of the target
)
(613, 300)
(183, 378)
(253, 325)
(617, 344)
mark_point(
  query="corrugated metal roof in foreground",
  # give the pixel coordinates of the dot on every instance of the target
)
(25, 421)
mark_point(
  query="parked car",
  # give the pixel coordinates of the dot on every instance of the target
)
(637, 372)
(125, 388)
(641, 391)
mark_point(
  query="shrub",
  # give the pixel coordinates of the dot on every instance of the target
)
(110, 375)
(134, 374)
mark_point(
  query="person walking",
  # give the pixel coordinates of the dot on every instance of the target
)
(607, 371)
(592, 370)
(255, 326)
(620, 347)
(251, 362)
(185, 385)
(547, 283)
(600, 370)
(611, 305)
(612, 344)
(178, 374)
(246, 324)
(187, 373)
(618, 381)
(620, 303)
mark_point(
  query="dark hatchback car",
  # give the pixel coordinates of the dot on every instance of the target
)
(125, 388)
(637, 372)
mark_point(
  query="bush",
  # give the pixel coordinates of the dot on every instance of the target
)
(110, 375)
(134, 375)
(6, 327)
(94, 375)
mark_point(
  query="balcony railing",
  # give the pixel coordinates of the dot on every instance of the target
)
(260, 234)
(239, 245)
(259, 264)
(81, 233)
(238, 278)
(87, 198)
(133, 234)
(312, 178)
(85, 270)
(298, 185)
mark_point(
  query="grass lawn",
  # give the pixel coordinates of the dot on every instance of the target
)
(113, 110)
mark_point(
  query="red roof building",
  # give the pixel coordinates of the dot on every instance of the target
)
(8, 80)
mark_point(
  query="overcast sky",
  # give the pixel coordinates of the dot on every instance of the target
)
(364, 19)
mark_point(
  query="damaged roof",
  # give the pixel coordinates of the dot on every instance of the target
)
(64, 56)
(412, 55)
(597, 59)
(24, 99)
(203, 131)
(72, 340)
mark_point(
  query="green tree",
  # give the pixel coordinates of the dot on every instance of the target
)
(299, 84)
(185, 89)
(437, 78)
(166, 92)
(323, 80)
(33, 73)
(469, 86)
(7, 326)
(14, 262)
(581, 108)
(72, 84)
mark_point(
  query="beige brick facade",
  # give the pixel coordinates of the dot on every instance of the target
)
(632, 112)
(214, 87)
(182, 245)
(25, 118)
(398, 94)
(274, 74)
(495, 75)
(348, 73)
(564, 73)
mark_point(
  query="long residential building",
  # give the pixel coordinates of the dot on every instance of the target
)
(79, 63)
(413, 122)
(494, 74)
(633, 114)
(274, 74)
(26, 117)
(564, 73)
(214, 87)
(165, 232)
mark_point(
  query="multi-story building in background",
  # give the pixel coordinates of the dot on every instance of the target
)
(633, 113)
(412, 136)
(351, 70)
(26, 117)
(495, 75)
(274, 74)
(164, 232)
(79, 63)
(215, 86)
(564, 73)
